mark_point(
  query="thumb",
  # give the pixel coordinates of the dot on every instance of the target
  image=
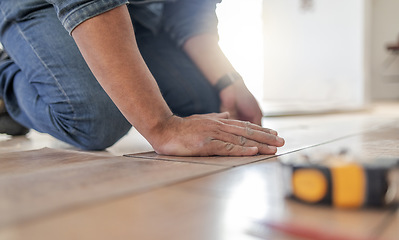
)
(224, 115)
(233, 114)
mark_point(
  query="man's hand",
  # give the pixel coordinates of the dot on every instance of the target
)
(213, 134)
(240, 103)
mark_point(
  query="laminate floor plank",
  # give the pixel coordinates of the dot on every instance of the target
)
(31, 194)
(233, 204)
(391, 229)
(152, 197)
(255, 193)
(244, 202)
(39, 159)
(215, 160)
(167, 213)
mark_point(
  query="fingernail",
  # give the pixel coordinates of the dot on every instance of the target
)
(273, 132)
(280, 140)
(273, 148)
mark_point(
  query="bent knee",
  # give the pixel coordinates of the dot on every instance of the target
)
(98, 128)
(104, 133)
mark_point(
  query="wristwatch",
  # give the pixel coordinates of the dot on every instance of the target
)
(227, 80)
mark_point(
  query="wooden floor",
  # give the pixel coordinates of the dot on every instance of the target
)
(50, 190)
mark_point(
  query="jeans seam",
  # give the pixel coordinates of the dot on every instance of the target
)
(52, 75)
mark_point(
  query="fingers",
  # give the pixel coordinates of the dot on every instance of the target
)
(222, 115)
(247, 134)
(259, 136)
(245, 142)
(218, 147)
(231, 110)
(214, 134)
(250, 125)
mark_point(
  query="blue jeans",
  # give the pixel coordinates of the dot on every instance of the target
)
(47, 86)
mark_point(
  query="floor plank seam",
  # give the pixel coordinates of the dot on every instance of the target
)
(104, 200)
(173, 160)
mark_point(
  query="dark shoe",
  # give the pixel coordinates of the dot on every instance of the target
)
(8, 125)
(2, 107)
(3, 55)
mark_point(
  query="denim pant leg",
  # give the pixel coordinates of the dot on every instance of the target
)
(47, 85)
(183, 86)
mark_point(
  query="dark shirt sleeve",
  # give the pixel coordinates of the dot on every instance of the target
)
(187, 18)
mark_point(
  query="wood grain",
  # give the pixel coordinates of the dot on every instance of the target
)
(390, 226)
(41, 159)
(151, 197)
(215, 160)
(31, 194)
(223, 206)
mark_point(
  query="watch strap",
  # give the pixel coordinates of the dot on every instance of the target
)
(227, 80)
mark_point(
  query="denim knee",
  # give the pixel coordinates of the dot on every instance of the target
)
(94, 124)
(106, 126)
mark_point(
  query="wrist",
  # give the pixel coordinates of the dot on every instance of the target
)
(159, 135)
(227, 80)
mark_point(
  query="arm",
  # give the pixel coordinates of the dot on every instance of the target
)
(193, 26)
(107, 44)
(236, 99)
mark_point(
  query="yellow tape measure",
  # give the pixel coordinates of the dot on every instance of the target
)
(344, 184)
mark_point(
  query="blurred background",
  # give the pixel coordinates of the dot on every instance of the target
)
(310, 56)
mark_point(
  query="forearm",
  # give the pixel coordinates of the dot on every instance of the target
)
(236, 99)
(107, 43)
(205, 52)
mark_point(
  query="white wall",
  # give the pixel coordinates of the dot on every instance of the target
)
(241, 39)
(315, 55)
(384, 68)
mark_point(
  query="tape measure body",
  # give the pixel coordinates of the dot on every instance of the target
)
(346, 185)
